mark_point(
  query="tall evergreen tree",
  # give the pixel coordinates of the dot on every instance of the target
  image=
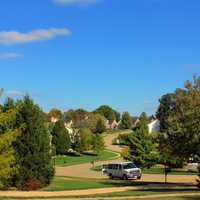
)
(142, 150)
(60, 138)
(8, 135)
(84, 140)
(109, 113)
(98, 144)
(100, 127)
(32, 147)
(126, 121)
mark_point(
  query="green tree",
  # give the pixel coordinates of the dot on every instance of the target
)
(144, 118)
(60, 138)
(8, 135)
(181, 124)
(32, 147)
(142, 149)
(77, 116)
(100, 127)
(98, 144)
(109, 113)
(126, 122)
(118, 116)
(54, 114)
(84, 140)
(8, 105)
(165, 109)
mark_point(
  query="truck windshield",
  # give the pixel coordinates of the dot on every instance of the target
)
(129, 166)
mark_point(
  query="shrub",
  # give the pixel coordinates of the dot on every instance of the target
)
(32, 184)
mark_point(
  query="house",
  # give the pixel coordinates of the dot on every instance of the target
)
(112, 125)
(54, 119)
(154, 126)
(68, 126)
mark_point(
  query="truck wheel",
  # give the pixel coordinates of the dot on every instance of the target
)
(110, 176)
(139, 177)
(125, 177)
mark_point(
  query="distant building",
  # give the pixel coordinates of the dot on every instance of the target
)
(54, 119)
(68, 126)
(112, 125)
(154, 126)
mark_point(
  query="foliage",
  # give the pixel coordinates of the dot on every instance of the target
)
(166, 107)
(142, 150)
(60, 138)
(7, 158)
(144, 118)
(8, 105)
(32, 147)
(83, 140)
(92, 120)
(54, 113)
(77, 116)
(98, 144)
(122, 139)
(32, 184)
(109, 113)
(8, 134)
(126, 122)
(100, 126)
(179, 114)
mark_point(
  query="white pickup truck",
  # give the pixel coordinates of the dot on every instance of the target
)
(124, 170)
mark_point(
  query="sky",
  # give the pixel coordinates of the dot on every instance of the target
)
(85, 53)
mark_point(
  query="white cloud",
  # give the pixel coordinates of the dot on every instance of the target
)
(15, 37)
(8, 56)
(75, 2)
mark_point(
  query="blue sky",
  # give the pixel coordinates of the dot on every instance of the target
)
(85, 53)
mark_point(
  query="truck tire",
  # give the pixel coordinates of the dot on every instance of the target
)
(125, 177)
(110, 176)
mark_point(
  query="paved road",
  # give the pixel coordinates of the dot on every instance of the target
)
(110, 137)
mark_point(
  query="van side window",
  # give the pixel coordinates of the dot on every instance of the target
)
(120, 167)
(115, 166)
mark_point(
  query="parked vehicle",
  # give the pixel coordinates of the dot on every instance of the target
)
(124, 170)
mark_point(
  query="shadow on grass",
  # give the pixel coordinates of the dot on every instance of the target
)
(154, 186)
(191, 198)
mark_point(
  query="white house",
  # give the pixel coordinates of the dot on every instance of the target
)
(154, 126)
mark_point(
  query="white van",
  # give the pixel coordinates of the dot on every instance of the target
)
(124, 170)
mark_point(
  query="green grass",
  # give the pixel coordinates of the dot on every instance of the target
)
(75, 160)
(61, 184)
(65, 183)
(151, 191)
(159, 170)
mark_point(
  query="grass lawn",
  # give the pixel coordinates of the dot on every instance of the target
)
(65, 183)
(159, 170)
(75, 160)
(152, 191)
